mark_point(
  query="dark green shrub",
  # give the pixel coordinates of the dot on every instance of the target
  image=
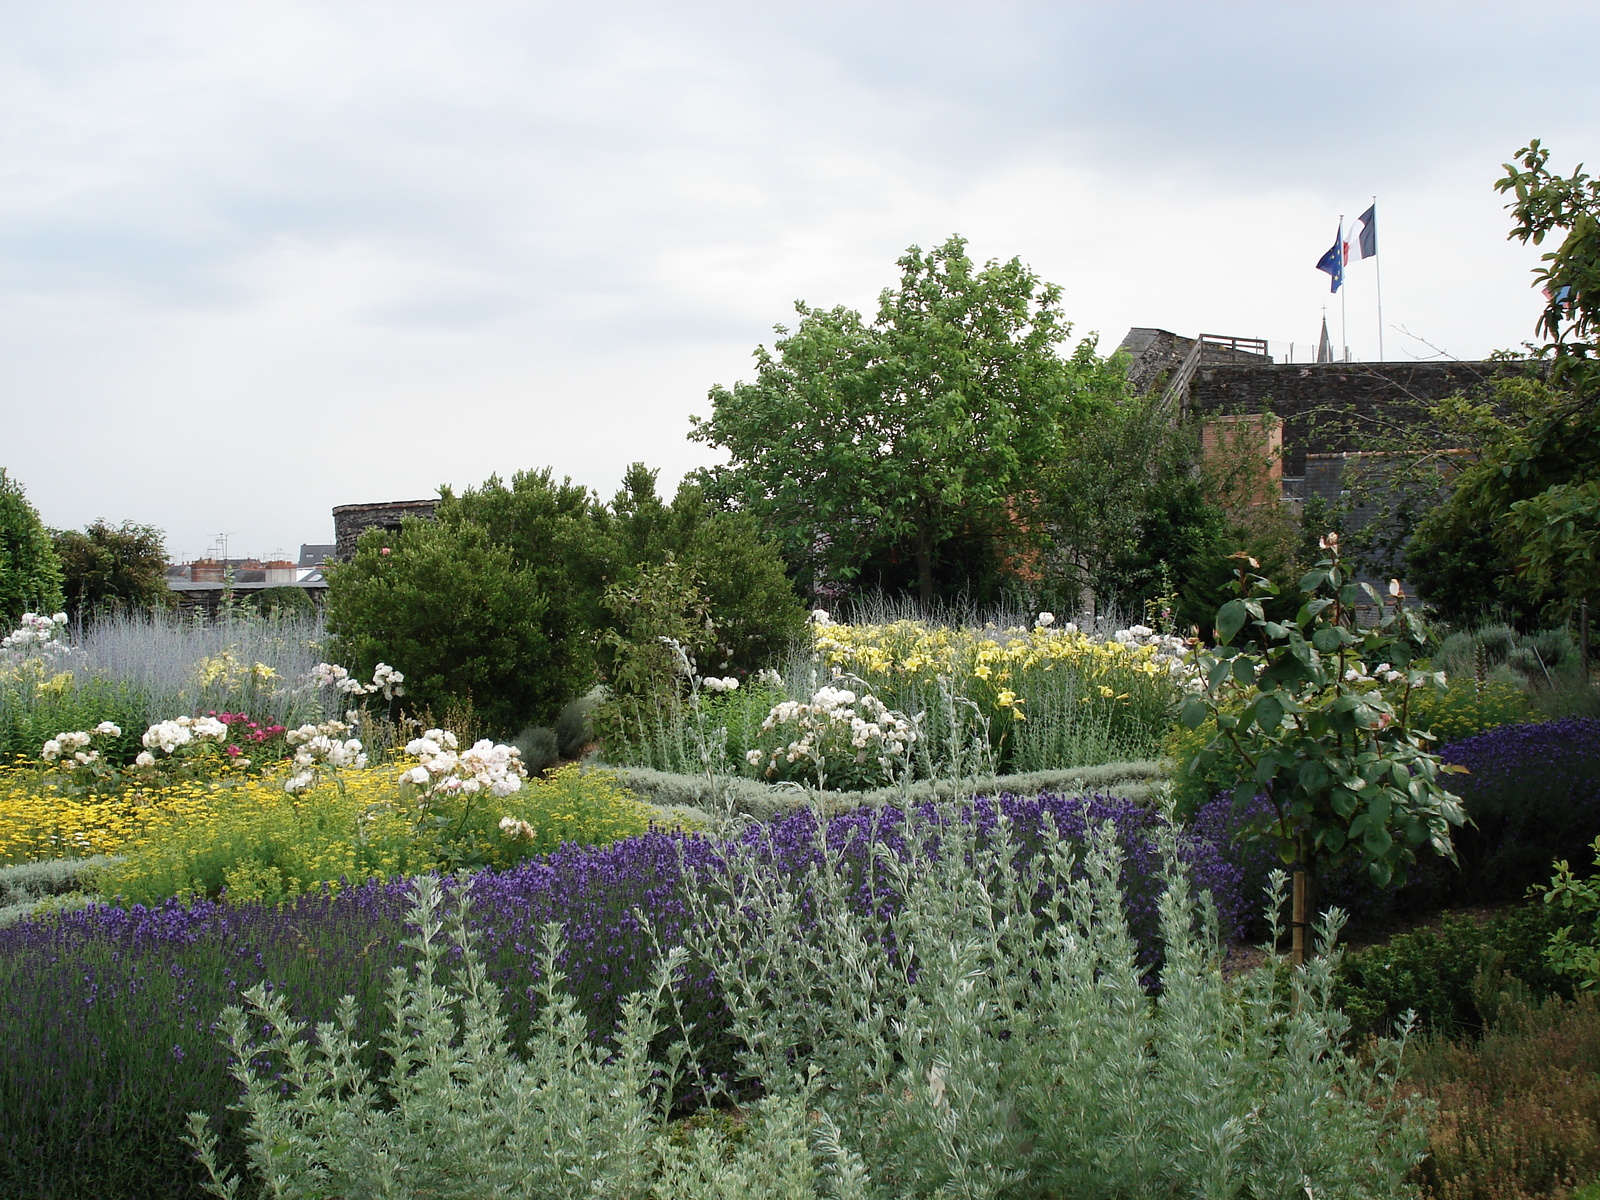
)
(107, 567)
(573, 728)
(539, 748)
(30, 572)
(735, 565)
(1433, 970)
(285, 601)
(455, 612)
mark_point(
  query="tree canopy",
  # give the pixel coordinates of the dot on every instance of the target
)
(909, 431)
(1522, 523)
(30, 572)
(107, 566)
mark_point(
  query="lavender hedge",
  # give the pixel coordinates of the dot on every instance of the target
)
(107, 1014)
(1533, 794)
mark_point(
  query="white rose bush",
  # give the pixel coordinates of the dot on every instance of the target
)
(320, 752)
(836, 739)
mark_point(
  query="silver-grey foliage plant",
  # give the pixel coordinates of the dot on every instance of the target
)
(990, 1034)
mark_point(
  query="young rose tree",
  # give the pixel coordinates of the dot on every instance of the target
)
(1319, 715)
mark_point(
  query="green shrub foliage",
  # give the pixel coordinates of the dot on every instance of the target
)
(500, 601)
(108, 566)
(454, 610)
(30, 571)
(286, 601)
(1518, 1110)
(988, 1035)
(1439, 972)
(736, 568)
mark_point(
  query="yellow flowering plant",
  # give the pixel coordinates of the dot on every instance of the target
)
(1054, 676)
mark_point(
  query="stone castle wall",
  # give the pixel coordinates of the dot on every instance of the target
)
(1330, 408)
(350, 521)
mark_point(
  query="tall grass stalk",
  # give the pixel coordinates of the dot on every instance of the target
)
(1069, 724)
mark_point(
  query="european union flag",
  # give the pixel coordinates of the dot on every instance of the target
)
(1333, 261)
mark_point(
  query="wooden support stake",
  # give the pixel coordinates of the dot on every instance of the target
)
(1297, 924)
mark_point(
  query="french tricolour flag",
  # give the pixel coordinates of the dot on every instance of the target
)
(1361, 239)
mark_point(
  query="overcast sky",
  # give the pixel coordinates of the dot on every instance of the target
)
(260, 259)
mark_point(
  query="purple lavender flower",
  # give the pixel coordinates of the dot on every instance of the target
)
(108, 1013)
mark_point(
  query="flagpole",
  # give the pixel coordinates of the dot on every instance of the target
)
(1344, 282)
(1378, 268)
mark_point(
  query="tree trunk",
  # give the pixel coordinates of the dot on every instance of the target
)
(924, 566)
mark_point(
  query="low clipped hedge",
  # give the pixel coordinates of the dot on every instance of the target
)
(763, 801)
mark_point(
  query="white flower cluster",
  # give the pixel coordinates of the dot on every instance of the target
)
(513, 828)
(385, 679)
(727, 684)
(1172, 653)
(37, 639)
(769, 677)
(835, 728)
(319, 746)
(484, 767)
(34, 630)
(167, 736)
(74, 746)
(1381, 674)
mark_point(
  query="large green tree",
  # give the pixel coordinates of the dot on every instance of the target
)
(106, 566)
(921, 426)
(1524, 512)
(30, 572)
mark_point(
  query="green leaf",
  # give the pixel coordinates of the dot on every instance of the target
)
(1312, 580)
(1194, 712)
(1244, 670)
(1378, 810)
(1376, 840)
(1269, 712)
(1328, 639)
(1230, 619)
(1314, 776)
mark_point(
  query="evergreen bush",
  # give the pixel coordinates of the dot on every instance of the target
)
(30, 571)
